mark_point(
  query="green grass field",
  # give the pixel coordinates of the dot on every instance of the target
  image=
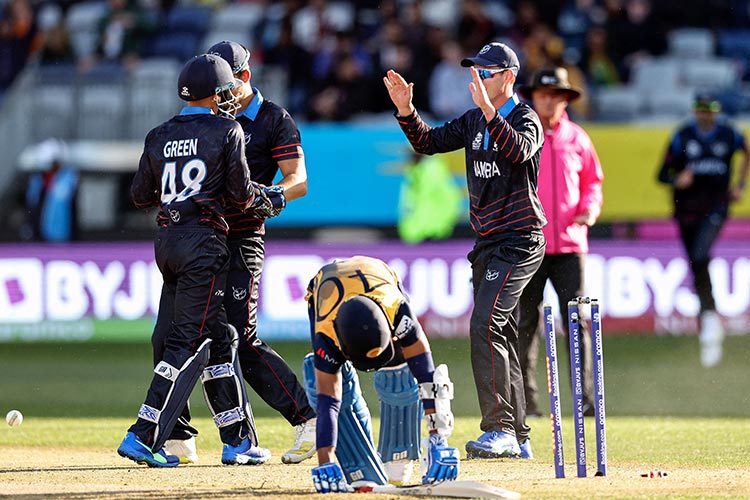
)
(664, 412)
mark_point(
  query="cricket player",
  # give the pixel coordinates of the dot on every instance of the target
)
(502, 138)
(272, 145)
(361, 319)
(698, 166)
(190, 167)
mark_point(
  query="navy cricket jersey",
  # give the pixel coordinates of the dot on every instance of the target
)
(191, 166)
(271, 135)
(709, 156)
(502, 163)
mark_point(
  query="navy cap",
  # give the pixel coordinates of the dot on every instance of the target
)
(364, 333)
(494, 55)
(705, 101)
(203, 76)
(234, 53)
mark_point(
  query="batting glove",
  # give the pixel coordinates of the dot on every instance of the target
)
(269, 202)
(329, 478)
(440, 461)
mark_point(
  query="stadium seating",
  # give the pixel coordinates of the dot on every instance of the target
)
(180, 45)
(735, 44)
(101, 103)
(237, 17)
(188, 19)
(241, 36)
(159, 103)
(691, 43)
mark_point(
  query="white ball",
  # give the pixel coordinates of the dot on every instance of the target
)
(14, 418)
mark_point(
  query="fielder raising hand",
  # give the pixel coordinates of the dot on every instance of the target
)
(401, 93)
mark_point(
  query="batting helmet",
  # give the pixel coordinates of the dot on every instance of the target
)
(364, 333)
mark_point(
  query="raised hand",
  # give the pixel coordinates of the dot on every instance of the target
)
(479, 93)
(401, 93)
(329, 478)
(440, 461)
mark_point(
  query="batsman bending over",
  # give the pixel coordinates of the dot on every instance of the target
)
(360, 318)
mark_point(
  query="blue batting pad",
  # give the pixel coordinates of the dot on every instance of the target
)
(400, 413)
(355, 449)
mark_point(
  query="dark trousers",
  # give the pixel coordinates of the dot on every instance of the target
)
(501, 268)
(565, 271)
(698, 236)
(266, 372)
(193, 262)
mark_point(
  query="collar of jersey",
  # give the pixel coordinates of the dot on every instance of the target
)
(506, 108)
(251, 111)
(195, 110)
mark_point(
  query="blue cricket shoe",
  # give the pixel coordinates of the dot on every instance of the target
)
(244, 454)
(137, 451)
(526, 452)
(493, 445)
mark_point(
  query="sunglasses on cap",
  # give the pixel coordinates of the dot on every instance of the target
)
(489, 73)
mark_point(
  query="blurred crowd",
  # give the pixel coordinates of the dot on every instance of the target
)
(335, 53)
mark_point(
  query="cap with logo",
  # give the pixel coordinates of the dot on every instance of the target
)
(494, 55)
(234, 53)
(705, 101)
(203, 76)
(364, 333)
(552, 79)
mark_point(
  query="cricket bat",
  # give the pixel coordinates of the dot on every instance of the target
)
(450, 489)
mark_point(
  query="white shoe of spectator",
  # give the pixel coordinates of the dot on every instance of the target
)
(184, 449)
(399, 471)
(711, 339)
(304, 443)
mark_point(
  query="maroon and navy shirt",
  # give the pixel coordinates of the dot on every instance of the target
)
(271, 136)
(192, 167)
(502, 163)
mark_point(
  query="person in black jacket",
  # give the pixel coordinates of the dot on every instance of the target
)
(698, 166)
(192, 166)
(502, 138)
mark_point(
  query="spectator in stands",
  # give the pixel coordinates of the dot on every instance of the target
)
(527, 17)
(570, 189)
(636, 35)
(315, 24)
(475, 27)
(123, 31)
(296, 62)
(343, 95)
(448, 76)
(698, 165)
(19, 38)
(598, 61)
(57, 47)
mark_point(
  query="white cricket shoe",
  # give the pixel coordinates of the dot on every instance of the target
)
(711, 339)
(304, 443)
(183, 449)
(399, 471)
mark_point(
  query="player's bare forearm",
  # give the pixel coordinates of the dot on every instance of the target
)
(294, 178)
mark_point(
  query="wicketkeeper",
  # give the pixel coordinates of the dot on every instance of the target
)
(360, 318)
